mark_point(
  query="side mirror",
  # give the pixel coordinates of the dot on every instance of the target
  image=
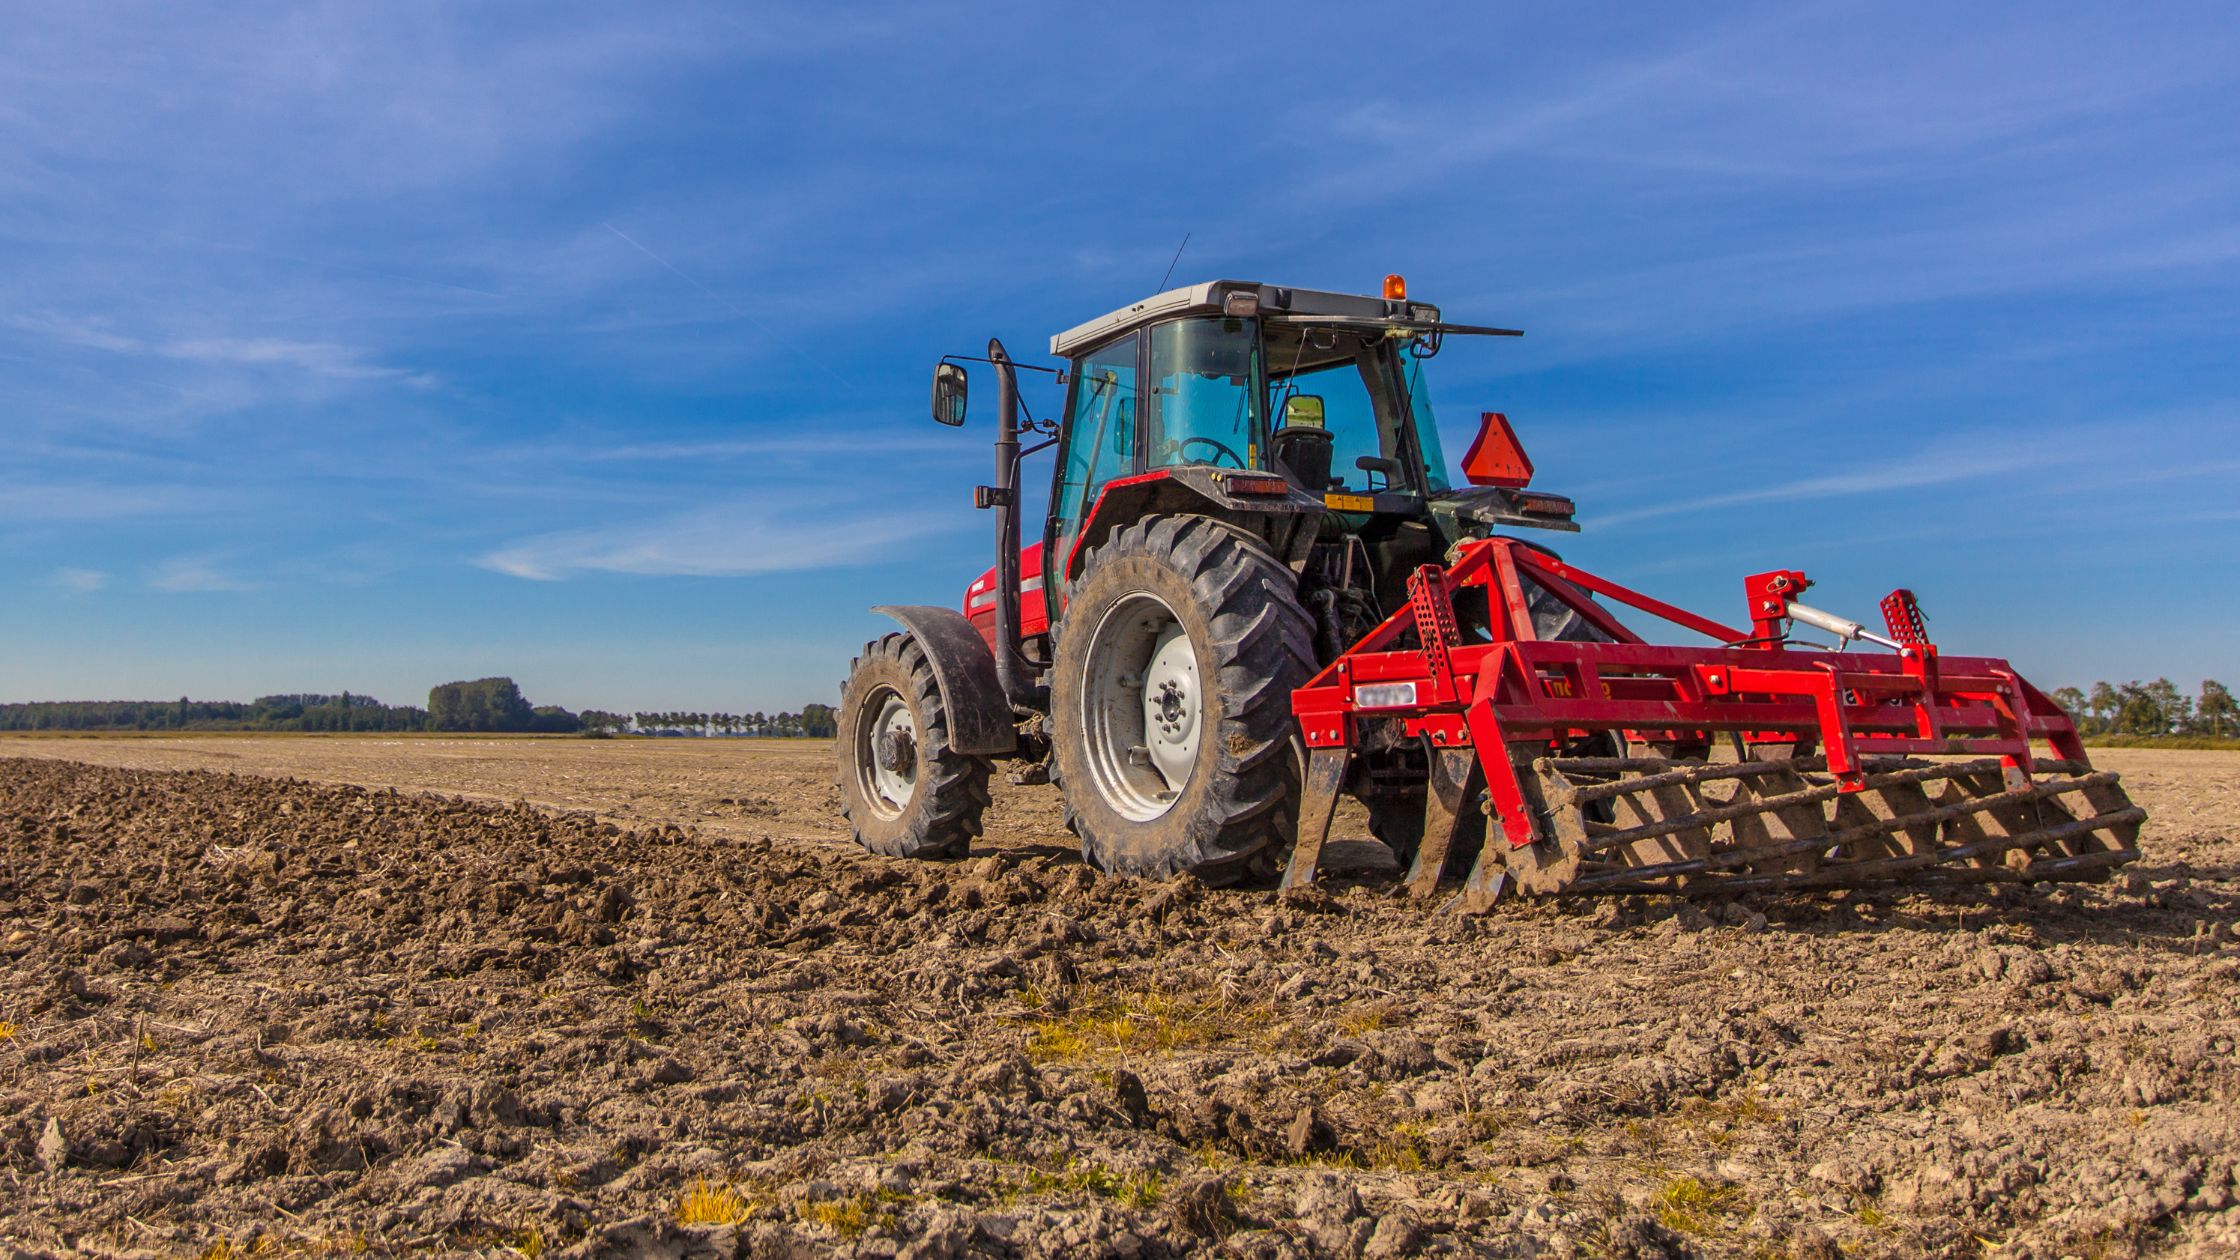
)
(948, 394)
(1302, 410)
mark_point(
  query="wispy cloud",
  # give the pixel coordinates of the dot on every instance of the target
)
(842, 438)
(80, 581)
(730, 541)
(185, 575)
(1931, 467)
(312, 358)
(79, 500)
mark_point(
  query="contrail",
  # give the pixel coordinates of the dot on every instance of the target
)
(733, 307)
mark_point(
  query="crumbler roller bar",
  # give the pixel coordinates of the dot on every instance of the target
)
(1614, 766)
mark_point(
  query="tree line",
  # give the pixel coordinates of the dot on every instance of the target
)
(493, 705)
(2155, 708)
(298, 712)
(814, 721)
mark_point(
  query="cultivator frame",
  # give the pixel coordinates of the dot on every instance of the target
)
(1597, 760)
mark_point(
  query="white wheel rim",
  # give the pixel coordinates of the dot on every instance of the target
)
(888, 781)
(1143, 708)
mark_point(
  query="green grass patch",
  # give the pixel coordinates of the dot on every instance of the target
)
(1102, 1023)
(1697, 1208)
(1136, 1190)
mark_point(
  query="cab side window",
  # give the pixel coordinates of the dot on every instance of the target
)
(1100, 437)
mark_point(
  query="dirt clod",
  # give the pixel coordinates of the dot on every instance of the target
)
(241, 1008)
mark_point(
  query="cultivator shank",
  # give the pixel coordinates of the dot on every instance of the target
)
(1618, 766)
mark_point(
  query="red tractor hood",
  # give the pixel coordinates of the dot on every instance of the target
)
(1034, 615)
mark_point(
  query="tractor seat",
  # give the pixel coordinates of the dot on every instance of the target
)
(1302, 453)
(1301, 449)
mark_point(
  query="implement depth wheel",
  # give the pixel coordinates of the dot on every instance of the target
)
(903, 791)
(1171, 701)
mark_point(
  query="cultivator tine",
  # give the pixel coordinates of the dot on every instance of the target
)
(1449, 803)
(1786, 824)
(1489, 878)
(1318, 800)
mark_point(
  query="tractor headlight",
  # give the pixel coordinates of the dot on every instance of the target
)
(1387, 695)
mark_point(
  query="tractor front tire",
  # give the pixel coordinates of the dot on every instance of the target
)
(1171, 701)
(903, 791)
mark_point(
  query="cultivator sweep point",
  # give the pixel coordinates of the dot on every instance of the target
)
(1613, 766)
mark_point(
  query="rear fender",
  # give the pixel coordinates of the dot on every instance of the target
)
(980, 721)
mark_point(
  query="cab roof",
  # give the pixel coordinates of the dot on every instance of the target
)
(1213, 297)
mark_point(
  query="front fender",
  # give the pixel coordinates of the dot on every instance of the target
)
(980, 721)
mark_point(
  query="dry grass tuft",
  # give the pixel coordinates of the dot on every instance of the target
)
(706, 1203)
(851, 1216)
(1369, 1018)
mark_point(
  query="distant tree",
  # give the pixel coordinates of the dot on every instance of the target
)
(551, 719)
(2215, 712)
(818, 721)
(2136, 713)
(486, 704)
(2105, 704)
(2173, 707)
(2072, 703)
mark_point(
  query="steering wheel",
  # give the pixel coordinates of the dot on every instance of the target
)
(1186, 443)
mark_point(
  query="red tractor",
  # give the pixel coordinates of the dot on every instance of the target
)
(1256, 589)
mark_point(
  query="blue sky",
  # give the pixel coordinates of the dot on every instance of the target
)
(372, 346)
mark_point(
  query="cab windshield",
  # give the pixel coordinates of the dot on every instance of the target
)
(1383, 438)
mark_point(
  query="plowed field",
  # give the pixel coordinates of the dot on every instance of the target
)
(658, 1006)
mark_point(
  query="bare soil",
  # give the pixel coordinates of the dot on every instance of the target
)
(245, 1013)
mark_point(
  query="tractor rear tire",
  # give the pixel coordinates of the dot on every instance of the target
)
(903, 791)
(1171, 701)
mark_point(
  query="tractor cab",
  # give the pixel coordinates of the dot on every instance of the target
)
(1325, 390)
(1311, 404)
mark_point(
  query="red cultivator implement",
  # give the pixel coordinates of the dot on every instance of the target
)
(1611, 765)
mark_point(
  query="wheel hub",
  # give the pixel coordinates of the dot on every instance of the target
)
(1142, 706)
(1170, 705)
(898, 752)
(887, 753)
